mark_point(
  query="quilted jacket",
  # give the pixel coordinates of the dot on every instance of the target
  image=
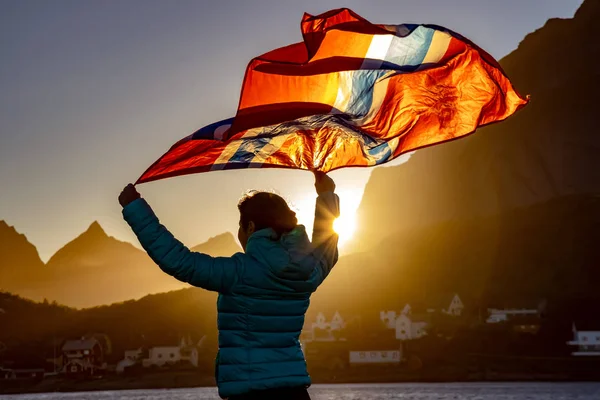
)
(263, 293)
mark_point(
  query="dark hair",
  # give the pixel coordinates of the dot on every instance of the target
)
(266, 210)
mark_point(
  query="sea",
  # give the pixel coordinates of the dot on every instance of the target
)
(420, 391)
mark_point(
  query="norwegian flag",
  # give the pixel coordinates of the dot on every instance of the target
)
(351, 94)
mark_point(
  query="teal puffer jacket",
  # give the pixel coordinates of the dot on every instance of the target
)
(263, 293)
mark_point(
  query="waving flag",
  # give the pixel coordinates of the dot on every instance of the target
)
(351, 94)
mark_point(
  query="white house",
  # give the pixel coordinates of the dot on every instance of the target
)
(376, 357)
(587, 342)
(161, 356)
(407, 329)
(418, 329)
(133, 355)
(131, 358)
(167, 355)
(322, 330)
(406, 325)
(320, 322)
(407, 310)
(455, 307)
(503, 315)
(190, 354)
(388, 318)
(403, 327)
(337, 322)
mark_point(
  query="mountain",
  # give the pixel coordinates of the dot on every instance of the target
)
(83, 248)
(95, 269)
(549, 149)
(223, 245)
(18, 258)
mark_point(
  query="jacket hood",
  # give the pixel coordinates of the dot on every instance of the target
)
(289, 257)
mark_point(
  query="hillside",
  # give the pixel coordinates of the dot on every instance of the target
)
(30, 328)
(547, 251)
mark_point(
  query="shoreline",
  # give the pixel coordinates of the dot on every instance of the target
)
(185, 379)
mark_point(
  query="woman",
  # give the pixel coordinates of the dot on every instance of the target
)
(263, 293)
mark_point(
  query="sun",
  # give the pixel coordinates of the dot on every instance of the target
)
(345, 225)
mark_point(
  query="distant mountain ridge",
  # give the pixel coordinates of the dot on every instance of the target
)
(90, 270)
(223, 245)
(92, 239)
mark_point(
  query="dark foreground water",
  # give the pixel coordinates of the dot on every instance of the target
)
(433, 391)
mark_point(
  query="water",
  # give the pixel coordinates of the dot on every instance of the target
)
(412, 391)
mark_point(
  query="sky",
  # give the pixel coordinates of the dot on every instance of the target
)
(93, 92)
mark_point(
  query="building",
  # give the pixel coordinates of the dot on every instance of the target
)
(375, 357)
(502, 315)
(133, 355)
(455, 307)
(324, 330)
(190, 354)
(31, 374)
(337, 322)
(411, 327)
(586, 341)
(82, 357)
(525, 324)
(407, 310)
(160, 356)
(131, 358)
(389, 318)
(408, 326)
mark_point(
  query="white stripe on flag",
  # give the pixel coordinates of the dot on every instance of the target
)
(269, 149)
(379, 92)
(380, 44)
(344, 92)
(225, 155)
(393, 145)
(230, 150)
(378, 49)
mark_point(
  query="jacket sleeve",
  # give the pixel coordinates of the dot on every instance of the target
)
(324, 239)
(218, 274)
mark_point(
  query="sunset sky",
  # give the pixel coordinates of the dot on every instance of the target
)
(92, 92)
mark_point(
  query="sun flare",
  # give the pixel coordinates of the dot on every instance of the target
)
(345, 226)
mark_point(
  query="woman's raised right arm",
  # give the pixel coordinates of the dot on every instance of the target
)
(324, 238)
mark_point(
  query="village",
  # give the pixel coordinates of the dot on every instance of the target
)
(330, 342)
